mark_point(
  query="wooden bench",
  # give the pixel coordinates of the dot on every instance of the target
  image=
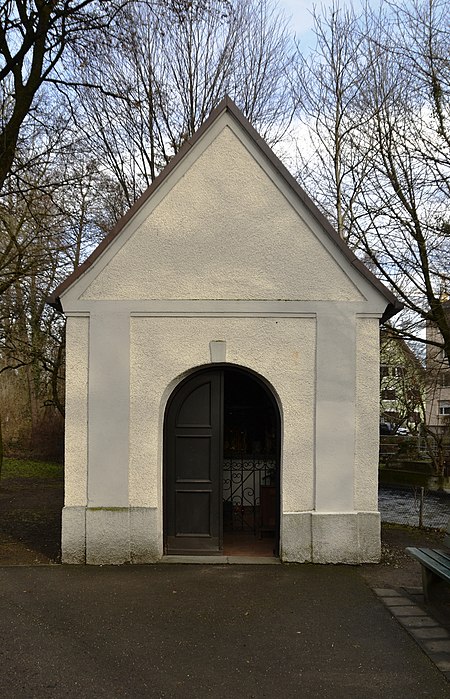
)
(435, 567)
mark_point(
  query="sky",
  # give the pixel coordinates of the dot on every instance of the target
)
(300, 12)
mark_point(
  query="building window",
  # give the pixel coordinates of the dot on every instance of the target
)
(445, 379)
(388, 394)
(398, 371)
(384, 371)
(444, 408)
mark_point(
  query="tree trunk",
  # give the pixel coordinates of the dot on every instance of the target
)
(1, 448)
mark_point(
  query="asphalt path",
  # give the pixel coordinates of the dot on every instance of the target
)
(204, 631)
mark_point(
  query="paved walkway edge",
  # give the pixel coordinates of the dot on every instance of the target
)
(433, 639)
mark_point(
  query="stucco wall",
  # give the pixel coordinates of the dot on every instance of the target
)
(223, 231)
(367, 407)
(281, 350)
(76, 433)
(324, 375)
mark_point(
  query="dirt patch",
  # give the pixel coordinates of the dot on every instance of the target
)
(396, 568)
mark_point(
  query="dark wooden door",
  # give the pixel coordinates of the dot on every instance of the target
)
(193, 466)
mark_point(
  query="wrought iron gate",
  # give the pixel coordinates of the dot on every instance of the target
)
(243, 477)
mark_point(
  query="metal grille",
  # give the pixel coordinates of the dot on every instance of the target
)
(243, 476)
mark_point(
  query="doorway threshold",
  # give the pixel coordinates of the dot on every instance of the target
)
(223, 560)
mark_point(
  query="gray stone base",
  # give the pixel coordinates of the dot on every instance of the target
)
(102, 536)
(322, 537)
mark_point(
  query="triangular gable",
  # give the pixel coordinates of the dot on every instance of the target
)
(225, 220)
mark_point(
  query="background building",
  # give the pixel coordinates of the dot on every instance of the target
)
(438, 382)
(402, 386)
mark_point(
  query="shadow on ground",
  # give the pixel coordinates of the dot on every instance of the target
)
(30, 520)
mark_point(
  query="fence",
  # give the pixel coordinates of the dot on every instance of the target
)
(414, 506)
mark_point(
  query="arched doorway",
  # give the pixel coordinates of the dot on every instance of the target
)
(222, 465)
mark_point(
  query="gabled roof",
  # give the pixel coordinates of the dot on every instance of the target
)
(227, 105)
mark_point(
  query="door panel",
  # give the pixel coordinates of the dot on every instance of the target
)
(192, 513)
(195, 409)
(193, 466)
(193, 458)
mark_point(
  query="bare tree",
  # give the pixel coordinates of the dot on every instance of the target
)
(33, 38)
(50, 219)
(328, 92)
(382, 142)
(162, 74)
(95, 100)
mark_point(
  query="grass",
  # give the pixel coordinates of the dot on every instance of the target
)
(25, 468)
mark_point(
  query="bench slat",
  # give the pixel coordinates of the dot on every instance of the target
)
(437, 555)
(436, 561)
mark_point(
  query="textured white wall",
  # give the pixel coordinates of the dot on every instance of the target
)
(335, 409)
(366, 415)
(108, 405)
(281, 350)
(224, 231)
(76, 434)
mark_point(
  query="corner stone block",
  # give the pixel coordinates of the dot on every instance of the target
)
(335, 538)
(296, 537)
(369, 532)
(107, 536)
(145, 541)
(73, 540)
